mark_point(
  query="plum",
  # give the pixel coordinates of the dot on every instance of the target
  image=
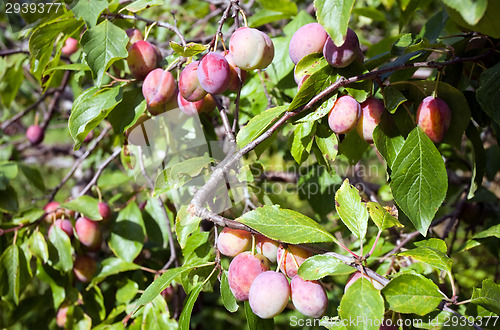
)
(236, 75)
(344, 115)
(104, 210)
(189, 85)
(232, 242)
(308, 297)
(269, 294)
(356, 276)
(293, 257)
(89, 233)
(308, 39)
(84, 268)
(243, 269)
(61, 316)
(142, 58)
(251, 49)
(343, 55)
(35, 134)
(158, 87)
(213, 73)
(206, 104)
(134, 35)
(267, 247)
(63, 224)
(371, 111)
(70, 46)
(434, 118)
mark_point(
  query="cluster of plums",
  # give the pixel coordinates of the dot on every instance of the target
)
(213, 74)
(87, 231)
(268, 292)
(433, 114)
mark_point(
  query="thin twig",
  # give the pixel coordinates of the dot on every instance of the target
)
(225, 120)
(171, 243)
(99, 171)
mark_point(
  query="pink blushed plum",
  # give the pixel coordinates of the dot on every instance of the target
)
(308, 39)
(269, 294)
(84, 268)
(243, 269)
(308, 297)
(344, 115)
(434, 118)
(293, 257)
(158, 87)
(213, 73)
(142, 58)
(35, 134)
(371, 111)
(251, 49)
(232, 242)
(189, 84)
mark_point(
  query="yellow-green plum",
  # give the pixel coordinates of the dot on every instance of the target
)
(267, 247)
(251, 49)
(269, 294)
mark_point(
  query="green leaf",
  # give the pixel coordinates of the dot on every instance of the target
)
(89, 10)
(127, 234)
(61, 257)
(94, 303)
(185, 225)
(321, 265)
(353, 147)
(317, 82)
(55, 281)
(228, 298)
(113, 266)
(422, 292)
(418, 90)
(419, 180)
(38, 246)
(478, 159)
(14, 266)
(409, 43)
(471, 10)
(382, 218)
(316, 115)
(42, 40)
(126, 113)
(139, 5)
(302, 140)
(156, 222)
(285, 225)
(8, 200)
(327, 142)
(103, 45)
(430, 256)
(362, 300)
(283, 6)
(352, 212)
(127, 292)
(493, 231)
(434, 243)
(11, 80)
(8, 171)
(488, 93)
(89, 109)
(258, 125)
(334, 15)
(85, 205)
(370, 12)
(185, 318)
(69, 67)
(488, 296)
(191, 49)
(265, 16)
(256, 323)
(393, 99)
(388, 139)
(33, 175)
(489, 24)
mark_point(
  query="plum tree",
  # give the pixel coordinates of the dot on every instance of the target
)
(232, 242)
(206, 104)
(243, 269)
(343, 55)
(236, 75)
(63, 224)
(308, 39)
(290, 258)
(84, 268)
(308, 297)
(70, 46)
(35, 134)
(251, 49)
(158, 87)
(213, 73)
(344, 115)
(434, 118)
(189, 84)
(142, 58)
(266, 247)
(88, 232)
(371, 111)
(269, 294)
(356, 276)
